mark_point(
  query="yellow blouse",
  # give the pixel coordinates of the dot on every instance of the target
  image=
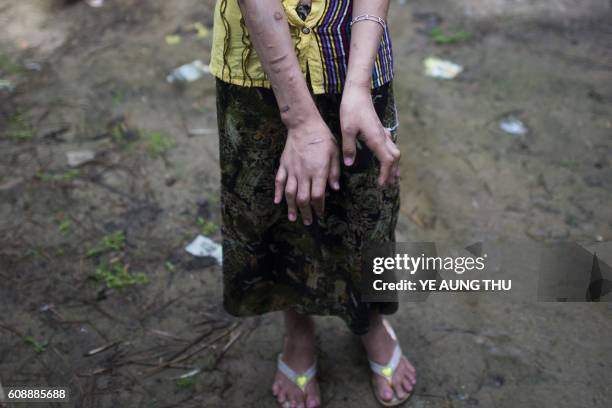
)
(321, 44)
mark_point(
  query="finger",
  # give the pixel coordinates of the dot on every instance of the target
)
(395, 151)
(349, 148)
(317, 195)
(303, 201)
(334, 172)
(396, 154)
(386, 163)
(279, 184)
(395, 173)
(388, 154)
(376, 140)
(290, 192)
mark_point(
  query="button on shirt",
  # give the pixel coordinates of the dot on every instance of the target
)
(321, 43)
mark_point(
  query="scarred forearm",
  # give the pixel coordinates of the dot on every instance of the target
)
(365, 42)
(268, 30)
(310, 157)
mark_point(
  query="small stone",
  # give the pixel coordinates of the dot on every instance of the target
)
(10, 184)
(593, 180)
(547, 233)
(79, 157)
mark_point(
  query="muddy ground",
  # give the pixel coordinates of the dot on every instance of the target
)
(79, 78)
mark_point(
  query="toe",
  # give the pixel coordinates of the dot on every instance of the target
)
(409, 376)
(384, 390)
(407, 385)
(297, 399)
(312, 402)
(409, 366)
(281, 398)
(409, 371)
(312, 395)
(399, 390)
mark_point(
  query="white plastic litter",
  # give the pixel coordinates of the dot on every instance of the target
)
(442, 69)
(188, 72)
(79, 157)
(7, 85)
(513, 126)
(204, 246)
(95, 3)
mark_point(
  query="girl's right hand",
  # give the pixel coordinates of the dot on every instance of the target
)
(309, 161)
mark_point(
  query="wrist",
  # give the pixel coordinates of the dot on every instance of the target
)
(296, 115)
(357, 86)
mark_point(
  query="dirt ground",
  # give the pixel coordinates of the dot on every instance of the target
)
(81, 78)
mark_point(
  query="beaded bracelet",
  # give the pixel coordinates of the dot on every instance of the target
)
(369, 17)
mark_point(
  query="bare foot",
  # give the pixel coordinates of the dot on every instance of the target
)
(299, 354)
(380, 345)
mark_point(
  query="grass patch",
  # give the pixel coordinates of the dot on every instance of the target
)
(118, 97)
(569, 164)
(571, 220)
(110, 243)
(170, 266)
(441, 38)
(68, 175)
(157, 143)
(118, 276)
(8, 67)
(121, 133)
(64, 227)
(185, 382)
(208, 228)
(38, 347)
(19, 127)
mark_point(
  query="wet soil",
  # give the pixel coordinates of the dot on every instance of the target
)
(94, 79)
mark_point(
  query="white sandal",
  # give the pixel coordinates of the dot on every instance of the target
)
(387, 371)
(301, 380)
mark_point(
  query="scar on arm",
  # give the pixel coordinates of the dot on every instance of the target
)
(316, 141)
(278, 16)
(285, 109)
(278, 60)
(274, 63)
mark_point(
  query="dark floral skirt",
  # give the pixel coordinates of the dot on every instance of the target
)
(270, 263)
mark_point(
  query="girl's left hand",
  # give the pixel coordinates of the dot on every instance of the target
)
(358, 118)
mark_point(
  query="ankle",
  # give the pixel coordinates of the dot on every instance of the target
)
(299, 326)
(377, 341)
(300, 337)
